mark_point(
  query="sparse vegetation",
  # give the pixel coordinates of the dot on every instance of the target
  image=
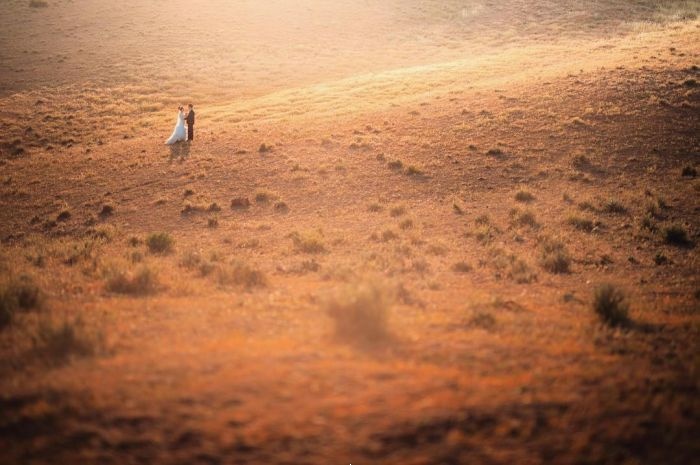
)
(676, 234)
(689, 172)
(395, 165)
(241, 274)
(524, 196)
(360, 312)
(58, 342)
(264, 196)
(554, 256)
(610, 305)
(375, 208)
(18, 295)
(140, 282)
(397, 210)
(461, 267)
(613, 206)
(580, 223)
(38, 4)
(160, 243)
(414, 170)
(308, 242)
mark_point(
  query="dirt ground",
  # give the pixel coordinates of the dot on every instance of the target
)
(388, 242)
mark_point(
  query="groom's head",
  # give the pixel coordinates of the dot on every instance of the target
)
(190, 106)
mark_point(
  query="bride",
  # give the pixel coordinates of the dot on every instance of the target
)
(179, 133)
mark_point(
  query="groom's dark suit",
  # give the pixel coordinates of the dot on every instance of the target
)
(190, 125)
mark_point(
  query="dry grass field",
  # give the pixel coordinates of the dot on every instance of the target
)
(407, 232)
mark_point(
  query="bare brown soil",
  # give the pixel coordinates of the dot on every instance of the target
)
(406, 273)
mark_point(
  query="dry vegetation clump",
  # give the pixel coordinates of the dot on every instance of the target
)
(676, 234)
(59, 342)
(240, 203)
(524, 218)
(406, 224)
(413, 170)
(160, 243)
(614, 207)
(360, 312)
(611, 306)
(397, 210)
(310, 242)
(38, 4)
(389, 235)
(580, 223)
(241, 274)
(483, 320)
(281, 207)
(395, 165)
(18, 295)
(496, 153)
(524, 196)
(689, 172)
(264, 148)
(375, 208)
(520, 272)
(264, 196)
(554, 256)
(461, 267)
(140, 282)
(63, 215)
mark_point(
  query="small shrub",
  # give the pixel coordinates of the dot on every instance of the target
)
(264, 148)
(360, 312)
(21, 294)
(582, 224)
(240, 274)
(689, 172)
(613, 206)
(524, 196)
(107, 210)
(521, 273)
(482, 219)
(281, 207)
(554, 257)
(160, 243)
(389, 235)
(676, 234)
(60, 342)
(214, 207)
(212, 223)
(308, 242)
(483, 320)
(461, 267)
(264, 196)
(397, 210)
(38, 4)
(63, 215)
(495, 152)
(395, 165)
(406, 224)
(413, 170)
(457, 207)
(610, 305)
(527, 218)
(375, 208)
(240, 203)
(143, 281)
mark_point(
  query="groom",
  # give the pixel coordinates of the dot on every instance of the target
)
(190, 123)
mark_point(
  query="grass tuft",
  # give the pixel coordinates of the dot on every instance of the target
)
(610, 305)
(360, 312)
(160, 243)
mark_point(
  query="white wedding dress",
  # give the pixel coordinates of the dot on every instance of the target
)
(179, 133)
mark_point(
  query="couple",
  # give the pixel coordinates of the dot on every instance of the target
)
(179, 132)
